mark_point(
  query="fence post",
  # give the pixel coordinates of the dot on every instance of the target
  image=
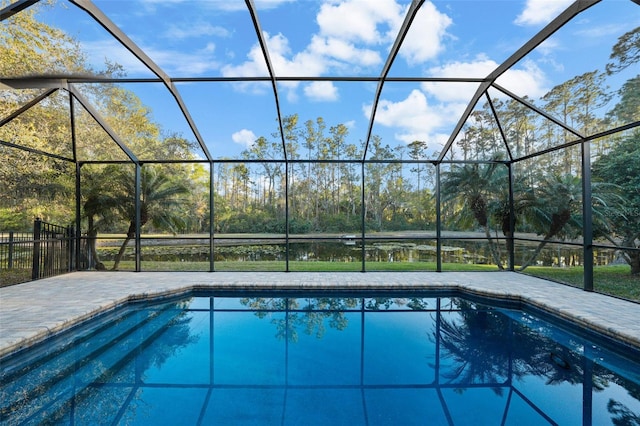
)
(35, 270)
(10, 260)
(70, 237)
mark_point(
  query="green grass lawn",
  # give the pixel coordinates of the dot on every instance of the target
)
(615, 280)
(299, 266)
(14, 276)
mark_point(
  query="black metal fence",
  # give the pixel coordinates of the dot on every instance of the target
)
(47, 251)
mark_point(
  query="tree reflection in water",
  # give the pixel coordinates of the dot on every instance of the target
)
(486, 346)
(622, 415)
(308, 314)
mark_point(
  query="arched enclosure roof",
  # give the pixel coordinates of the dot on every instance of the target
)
(402, 71)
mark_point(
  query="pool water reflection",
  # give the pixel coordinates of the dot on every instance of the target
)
(265, 359)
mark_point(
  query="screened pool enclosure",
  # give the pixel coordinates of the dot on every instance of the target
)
(338, 135)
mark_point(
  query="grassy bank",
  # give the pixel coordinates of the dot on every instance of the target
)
(14, 276)
(300, 266)
(614, 280)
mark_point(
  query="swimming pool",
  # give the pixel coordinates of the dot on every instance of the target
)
(375, 359)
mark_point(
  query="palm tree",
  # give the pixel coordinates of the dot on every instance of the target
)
(159, 204)
(483, 190)
(554, 208)
(551, 206)
(100, 208)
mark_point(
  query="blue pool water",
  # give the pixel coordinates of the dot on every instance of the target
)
(344, 360)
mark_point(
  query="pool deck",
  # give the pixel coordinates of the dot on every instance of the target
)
(33, 311)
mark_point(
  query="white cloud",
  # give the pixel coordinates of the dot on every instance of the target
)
(342, 50)
(185, 63)
(99, 50)
(362, 21)
(302, 64)
(194, 30)
(424, 39)
(413, 117)
(170, 61)
(376, 23)
(528, 79)
(450, 91)
(541, 12)
(353, 36)
(153, 3)
(322, 91)
(254, 66)
(593, 30)
(290, 88)
(480, 67)
(264, 4)
(244, 137)
(547, 47)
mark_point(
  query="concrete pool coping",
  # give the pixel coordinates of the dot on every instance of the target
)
(34, 311)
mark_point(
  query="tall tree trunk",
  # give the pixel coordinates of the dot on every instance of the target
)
(131, 233)
(634, 262)
(92, 240)
(92, 233)
(506, 231)
(558, 221)
(535, 254)
(495, 253)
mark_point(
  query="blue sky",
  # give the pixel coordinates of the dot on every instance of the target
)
(308, 38)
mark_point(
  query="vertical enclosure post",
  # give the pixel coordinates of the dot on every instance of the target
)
(587, 216)
(70, 242)
(512, 221)
(362, 218)
(10, 254)
(438, 222)
(211, 218)
(138, 207)
(78, 230)
(286, 214)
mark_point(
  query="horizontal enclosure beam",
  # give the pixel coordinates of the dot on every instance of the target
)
(11, 82)
(36, 151)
